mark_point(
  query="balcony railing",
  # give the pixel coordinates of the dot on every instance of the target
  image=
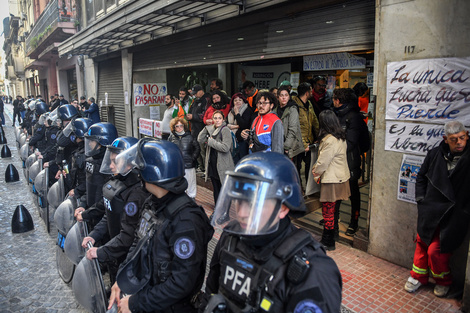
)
(55, 12)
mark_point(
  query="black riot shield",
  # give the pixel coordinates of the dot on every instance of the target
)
(63, 216)
(56, 193)
(73, 242)
(88, 286)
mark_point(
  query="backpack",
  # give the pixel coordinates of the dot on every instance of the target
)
(234, 148)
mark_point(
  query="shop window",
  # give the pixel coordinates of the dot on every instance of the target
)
(72, 81)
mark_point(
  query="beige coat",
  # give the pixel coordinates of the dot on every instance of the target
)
(332, 164)
(219, 139)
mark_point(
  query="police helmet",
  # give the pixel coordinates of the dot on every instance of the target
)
(31, 103)
(159, 162)
(41, 107)
(98, 136)
(66, 112)
(109, 165)
(78, 127)
(253, 194)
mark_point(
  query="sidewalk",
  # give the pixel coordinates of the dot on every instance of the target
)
(370, 284)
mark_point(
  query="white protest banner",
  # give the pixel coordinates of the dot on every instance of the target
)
(416, 138)
(157, 129)
(149, 94)
(429, 90)
(145, 126)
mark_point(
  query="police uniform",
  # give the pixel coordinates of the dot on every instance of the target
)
(51, 140)
(123, 197)
(76, 179)
(286, 271)
(179, 253)
(94, 188)
(38, 139)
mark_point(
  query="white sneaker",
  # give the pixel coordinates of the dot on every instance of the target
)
(412, 284)
(441, 291)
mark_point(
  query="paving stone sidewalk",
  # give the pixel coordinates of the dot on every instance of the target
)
(29, 281)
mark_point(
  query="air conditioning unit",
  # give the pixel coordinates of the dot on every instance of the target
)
(23, 16)
(26, 34)
(21, 38)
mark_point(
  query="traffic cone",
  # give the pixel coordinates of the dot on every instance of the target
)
(6, 153)
(11, 174)
(22, 220)
(3, 139)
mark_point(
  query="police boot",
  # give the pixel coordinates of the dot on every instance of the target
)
(328, 239)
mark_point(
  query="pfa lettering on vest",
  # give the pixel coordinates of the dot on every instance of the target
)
(238, 282)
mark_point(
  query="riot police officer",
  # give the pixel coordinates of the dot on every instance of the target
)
(98, 136)
(262, 262)
(179, 230)
(64, 146)
(75, 176)
(39, 130)
(123, 197)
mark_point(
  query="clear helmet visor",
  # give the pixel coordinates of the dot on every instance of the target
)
(68, 130)
(43, 118)
(92, 147)
(108, 166)
(125, 161)
(246, 206)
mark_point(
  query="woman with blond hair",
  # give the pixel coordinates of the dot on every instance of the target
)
(181, 136)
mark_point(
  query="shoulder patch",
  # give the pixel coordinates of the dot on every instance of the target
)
(184, 248)
(131, 208)
(53, 136)
(72, 138)
(307, 306)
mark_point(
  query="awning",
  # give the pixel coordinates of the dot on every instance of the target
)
(137, 22)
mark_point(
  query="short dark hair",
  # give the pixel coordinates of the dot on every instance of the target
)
(266, 95)
(92, 99)
(218, 82)
(247, 84)
(360, 88)
(183, 88)
(303, 88)
(284, 87)
(345, 95)
(316, 79)
(82, 98)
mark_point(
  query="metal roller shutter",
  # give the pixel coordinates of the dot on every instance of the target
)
(349, 26)
(110, 81)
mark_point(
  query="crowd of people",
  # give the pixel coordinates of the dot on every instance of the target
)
(138, 196)
(229, 128)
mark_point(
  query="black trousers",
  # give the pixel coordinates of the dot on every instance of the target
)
(355, 200)
(217, 185)
(15, 114)
(305, 157)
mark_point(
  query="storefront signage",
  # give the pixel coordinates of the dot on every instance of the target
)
(149, 94)
(333, 61)
(264, 77)
(146, 127)
(157, 129)
(429, 90)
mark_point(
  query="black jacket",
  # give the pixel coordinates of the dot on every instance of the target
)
(443, 199)
(197, 109)
(181, 239)
(188, 146)
(350, 119)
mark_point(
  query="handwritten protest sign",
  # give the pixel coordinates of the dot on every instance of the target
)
(415, 138)
(429, 90)
(145, 126)
(149, 94)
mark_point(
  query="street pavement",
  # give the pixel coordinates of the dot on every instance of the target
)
(29, 281)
